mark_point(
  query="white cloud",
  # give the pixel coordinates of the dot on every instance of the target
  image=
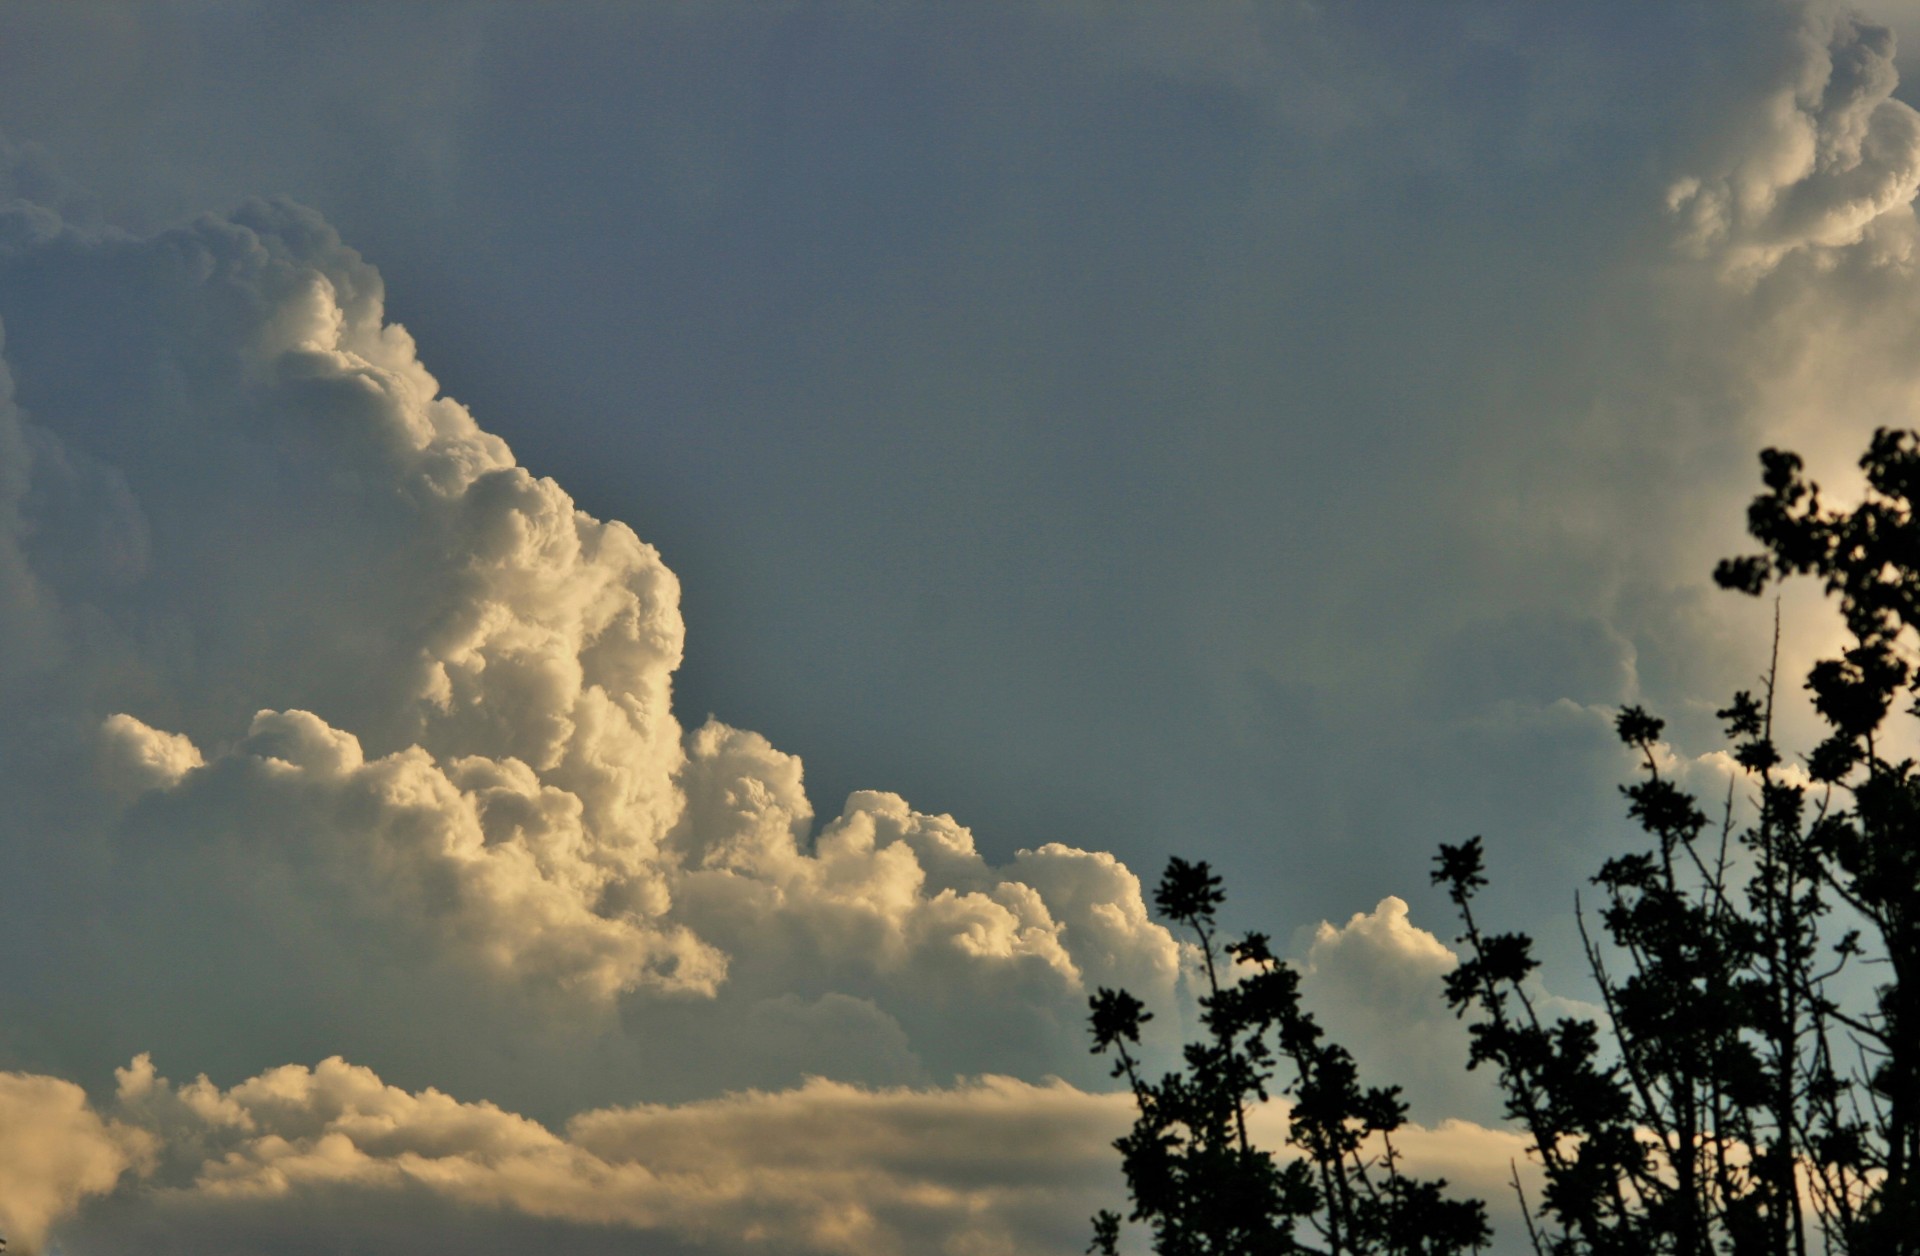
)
(1384, 951)
(895, 891)
(363, 688)
(988, 1165)
(1376, 984)
(139, 758)
(391, 708)
(55, 1152)
(1823, 159)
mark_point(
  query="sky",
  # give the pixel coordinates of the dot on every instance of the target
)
(605, 609)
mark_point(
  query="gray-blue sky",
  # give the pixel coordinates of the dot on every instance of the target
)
(1271, 432)
(1062, 416)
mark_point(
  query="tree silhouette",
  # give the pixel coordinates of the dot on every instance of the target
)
(1755, 1087)
(1195, 1176)
(1747, 1104)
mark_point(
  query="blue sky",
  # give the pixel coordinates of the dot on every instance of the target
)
(1277, 433)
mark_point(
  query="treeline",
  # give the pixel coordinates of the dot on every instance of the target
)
(1754, 1086)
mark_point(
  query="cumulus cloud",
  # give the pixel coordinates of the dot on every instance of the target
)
(892, 890)
(378, 701)
(1825, 158)
(56, 1151)
(1375, 982)
(363, 687)
(1384, 951)
(138, 758)
(385, 721)
(988, 1165)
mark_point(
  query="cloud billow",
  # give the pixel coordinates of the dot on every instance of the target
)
(360, 739)
(334, 734)
(363, 687)
(1824, 158)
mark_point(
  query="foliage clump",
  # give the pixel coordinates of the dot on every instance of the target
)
(1195, 1176)
(1754, 1089)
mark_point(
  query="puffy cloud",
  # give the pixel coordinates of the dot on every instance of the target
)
(1375, 982)
(468, 817)
(988, 1165)
(55, 1151)
(140, 758)
(892, 889)
(362, 688)
(1384, 951)
(475, 859)
(1823, 159)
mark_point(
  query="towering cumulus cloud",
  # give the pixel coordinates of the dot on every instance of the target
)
(332, 648)
(355, 736)
(342, 768)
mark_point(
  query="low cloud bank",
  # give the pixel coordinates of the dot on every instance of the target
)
(991, 1164)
